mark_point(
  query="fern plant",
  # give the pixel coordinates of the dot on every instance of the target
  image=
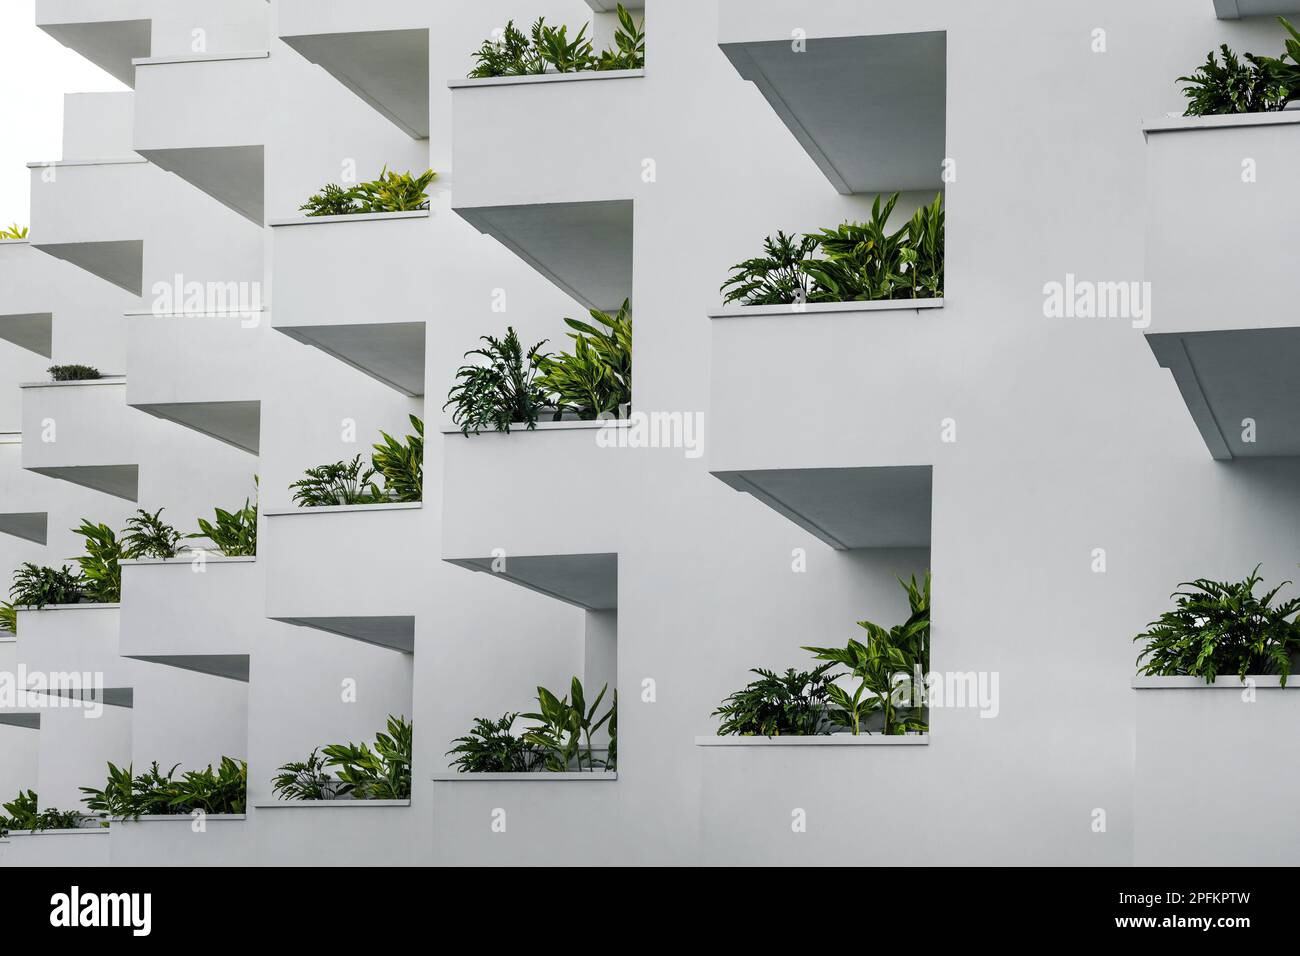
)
(1222, 627)
(493, 747)
(233, 533)
(332, 200)
(13, 232)
(1233, 86)
(383, 773)
(101, 572)
(775, 278)
(148, 536)
(401, 464)
(342, 483)
(596, 380)
(503, 391)
(74, 373)
(36, 587)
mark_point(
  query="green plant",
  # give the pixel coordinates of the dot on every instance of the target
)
(148, 536)
(629, 45)
(342, 483)
(791, 705)
(502, 392)
(101, 572)
(332, 200)
(233, 533)
(566, 726)
(401, 464)
(1222, 627)
(24, 814)
(383, 773)
(776, 278)
(864, 261)
(546, 48)
(391, 192)
(512, 55)
(877, 665)
(37, 586)
(13, 232)
(596, 380)
(1234, 86)
(152, 793)
(492, 747)
(8, 618)
(305, 780)
(73, 373)
(562, 54)
(1285, 74)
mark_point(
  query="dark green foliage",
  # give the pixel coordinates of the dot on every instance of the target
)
(776, 278)
(305, 780)
(36, 586)
(148, 536)
(24, 814)
(101, 574)
(791, 705)
(8, 618)
(502, 392)
(381, 773)
(73, 373)
(1285, 70)
(492, 747)
(332, 200)
(342, 483)
(152, 793)
(391, 192)
(1233, 86)
(550, 49)
(233, 533)
(401, 464)
(596, 379)
(1221, 627)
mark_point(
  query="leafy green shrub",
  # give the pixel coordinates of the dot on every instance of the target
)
(8, 618)
(305, 780)
(1222, 627)
(1284, 73)
(560, 740)
(795, 704)
(1233, 87)
(101, 572)
(502, 392)
(381, 773)
(152, 793)
(391, 192)
(549, 49)
(401, 464)
(36, 587)
(860, 262)
(73, 373)
(596, 379)
(148, 536)
(13, 232)
(233, 533)
(24, 814)
(342, 483)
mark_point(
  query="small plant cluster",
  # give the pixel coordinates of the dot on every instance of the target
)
(514, 387)
(1259, 84)
(391, 192)
(130, 795)
(74, 373)
(23, 813)
(814, 703)
(400, 464)
(1222, 627)
(859, 262)
(13, 232)
(361, 772)
(548, 49)
(233, 533)
(560, 740)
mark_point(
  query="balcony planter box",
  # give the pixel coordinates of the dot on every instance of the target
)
(376, 327)
(88, 847)
(202, 620)
(97, 436)
(171, 841)
(1231, 346)
(1197, 746)
(78, 638)
(361, 582)
(203, 117)
(362, 833)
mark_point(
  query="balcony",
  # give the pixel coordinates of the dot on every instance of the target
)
(1231, 347)
(379, 51)
(862, 89)
(1236, 9)
(78, 639)
(112, 36)
(83, 432)
(25, 505)
(227, 840)
(1185, 725)
(362, 833)
(58, 848)
(377, 328)
(203, 117)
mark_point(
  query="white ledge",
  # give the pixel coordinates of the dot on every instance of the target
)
(521, 428)
(475, 82)
(198, 314)
(540, 777)
(322, 804)
(102, 380)
(209, 557)
(357, 217)
(345, 509)
(827, 308)
(11, 438)
(15, 242)
(112, 161)
(831, 740)
(200, 57)
(187, 817)
(83, 606)
(67, 832)
(1178, 124)
(1224, 682)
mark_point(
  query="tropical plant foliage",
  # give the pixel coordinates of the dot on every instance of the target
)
(342, 483)
(23, 813)
(36, 587)
(391, 192)
(1222, 627)
(595, 381)
(793, 704)
(560, 740)
(148, 536)
(8, 618)
(502, 390)
(153, 793)
(1233, 86)
(13, 232)
(101, 573)
(305, 780)
(361, 772)
(858, 262)
(401, 464)
(233, 533)
(74, 373)
(1285, 70)
(548, 49)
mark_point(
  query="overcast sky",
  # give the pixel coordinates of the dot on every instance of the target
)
(35, 72)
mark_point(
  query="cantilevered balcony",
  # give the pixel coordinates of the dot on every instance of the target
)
(111, 35)
(25, 498)
(83, 432)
